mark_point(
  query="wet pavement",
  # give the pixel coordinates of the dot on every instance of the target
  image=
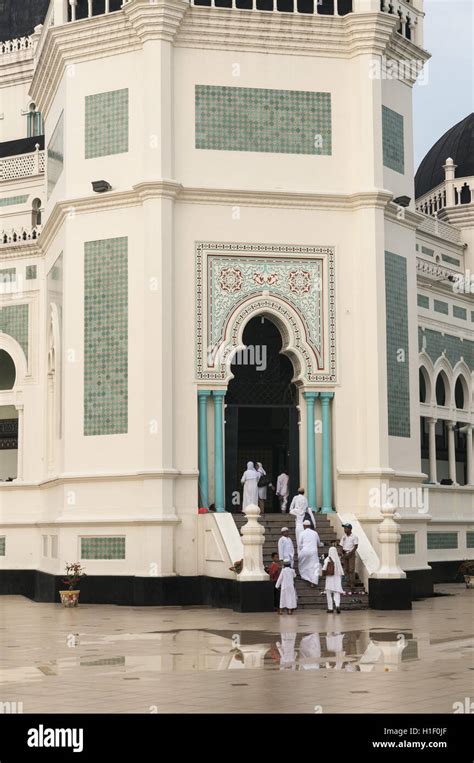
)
(103, 658)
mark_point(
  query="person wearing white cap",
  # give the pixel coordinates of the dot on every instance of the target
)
(349, 544)
(308, 558)
(250, 482)
(299, 507)
(286, 582)
(333, 572)
(286, 549)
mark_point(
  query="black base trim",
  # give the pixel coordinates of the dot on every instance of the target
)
(446, 572)
(128, 590)
(390, 594)
(421, 583)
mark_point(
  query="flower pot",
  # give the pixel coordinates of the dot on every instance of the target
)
(469, 581)
(69, 598)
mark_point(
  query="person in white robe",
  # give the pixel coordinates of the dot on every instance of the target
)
(250, 482)
(286, 550)
(299, 507)
(286, 583)
(308, 556)
(283, 490)
(333, 585)
(262, 491)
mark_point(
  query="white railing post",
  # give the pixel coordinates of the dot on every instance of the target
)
(107, 6)
(73, 4)
(89, 8)
(37, 159)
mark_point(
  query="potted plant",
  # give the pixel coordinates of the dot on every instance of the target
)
(467, 569)
(74, 573)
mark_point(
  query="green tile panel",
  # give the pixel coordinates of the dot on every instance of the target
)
(3, 541)
(398, 374)
(440, 540)
(103, 547)
(106, 337)
(470, 539)
(393, 140)
(423, 301)
(31, 272)
(407, 543)
(7, 275)
(14, 322)
(441, 307)
(263, 120)
(460, 312)
(451, 260)
(426, 251)
(9, 201)
(436, 343)
(106, 123)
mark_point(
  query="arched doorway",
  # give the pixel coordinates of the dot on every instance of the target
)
(261, 417)
(8, 421)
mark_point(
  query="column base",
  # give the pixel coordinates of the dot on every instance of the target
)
(326, 510)
(385, 593)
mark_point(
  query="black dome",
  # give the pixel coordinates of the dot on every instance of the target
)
(18, 19)
(457, 143)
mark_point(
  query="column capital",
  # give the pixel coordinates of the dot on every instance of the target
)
(431, 420)
(326, 396)
(451, 424)
(310, 395)
(203, 393)
(219, 394)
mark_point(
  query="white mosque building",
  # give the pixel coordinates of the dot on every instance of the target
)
(213, 251)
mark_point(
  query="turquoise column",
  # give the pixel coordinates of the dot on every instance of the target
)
(327, 475)
(202, 449)
(310, 397)
(219, 499)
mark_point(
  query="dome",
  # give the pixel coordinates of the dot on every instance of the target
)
(18, 19)
(457, 143)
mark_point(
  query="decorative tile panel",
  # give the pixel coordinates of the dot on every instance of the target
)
(103, 547)
(10, 201)
(3, 541)
(106, 123)
(460, 312)
(451, 260)
(393, 140)
(435, 343)
(14, 321)
(7, 275)
(233, 281)
(439, 540)
(423, 301)
(258, 119)
(31, 272)
(441, 307)
(398, 372)
(470, 539)
(106, 337)
(407, 543)
(55, 155)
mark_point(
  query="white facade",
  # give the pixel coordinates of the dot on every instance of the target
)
(123, 464)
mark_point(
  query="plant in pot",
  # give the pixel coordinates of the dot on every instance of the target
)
(467, 570)
(74, 573)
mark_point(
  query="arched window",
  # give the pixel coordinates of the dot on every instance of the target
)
(7, 371)
(460, 393)
(36, 213)
(422, 383)
(465, 194)
(441, 389)
(35, 122)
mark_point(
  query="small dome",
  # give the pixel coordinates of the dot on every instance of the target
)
(458, 143)
(18, 19)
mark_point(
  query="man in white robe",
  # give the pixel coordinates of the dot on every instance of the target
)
(299, 507)
(286, 583)
(308, 554)
(250, 482)
(286, 550)
(283, 489)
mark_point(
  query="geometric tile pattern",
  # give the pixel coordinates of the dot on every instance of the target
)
(259, 119)
(460, 312)
(30, 272)
(106, 121)
(398, 374)
(438, 540)
(56, 155)
(436, 343)
(407, 543)
(106, 337)
(234, 279)
(10, 200)
(470, 539)
(14, 322)
(103, 548)
(441, 307)
(392, 138)
(2, 545)
(423, 301)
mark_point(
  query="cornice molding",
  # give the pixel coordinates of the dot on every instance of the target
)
(410, 218)
(460, 216)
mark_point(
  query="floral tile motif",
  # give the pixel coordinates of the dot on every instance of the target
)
(233, 281)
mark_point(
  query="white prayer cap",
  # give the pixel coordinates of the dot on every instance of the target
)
(285, 530)
(306, 523)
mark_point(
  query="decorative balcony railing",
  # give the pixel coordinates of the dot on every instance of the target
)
(449, 193)
(20, 236)
(439, 228)
(15, 45)
(22, 165)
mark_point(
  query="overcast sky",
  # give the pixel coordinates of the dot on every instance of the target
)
(448, 95)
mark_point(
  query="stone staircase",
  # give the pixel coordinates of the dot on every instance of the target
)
(308, 598)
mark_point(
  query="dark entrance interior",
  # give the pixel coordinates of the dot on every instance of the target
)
(261, 418)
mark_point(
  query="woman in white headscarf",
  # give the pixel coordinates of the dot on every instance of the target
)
(262, 491)
(250, 482)
(334, 580)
